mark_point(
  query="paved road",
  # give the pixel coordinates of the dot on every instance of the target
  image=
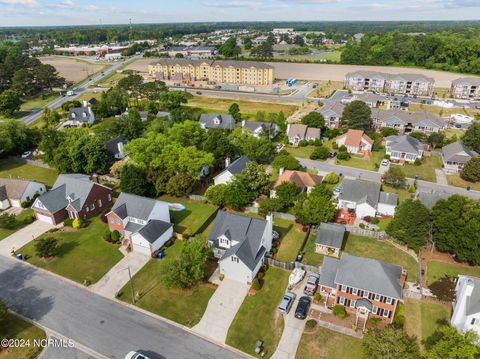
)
(95, 322)
(351, 172)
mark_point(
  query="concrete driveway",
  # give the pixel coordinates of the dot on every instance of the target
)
(21, 237)
(118, 275)
(221, 310)
(293, 329)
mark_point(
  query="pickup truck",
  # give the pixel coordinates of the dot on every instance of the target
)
(312, 284)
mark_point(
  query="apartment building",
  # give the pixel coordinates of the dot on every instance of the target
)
(225, 71)
(466, 88)
(406, 122)
(407, 84)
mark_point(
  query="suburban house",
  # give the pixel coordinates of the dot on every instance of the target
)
(164, 114)
(144, 223)
(466, 306)
(406, 122)
(329, 239)
(303, 180)
(404, 148)
(467, 88)
(217, 121)
(366, 287)
(356, 141)
(455, 156)
(72, 196)
(14, 192)
(298, 132)
(240, 244)
(430, 199)
(115, 148)
(81, 115)
(364, 198)
(259, 129)
(231, 169)
(332, 114)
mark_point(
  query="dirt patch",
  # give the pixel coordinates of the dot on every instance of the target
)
(73, 70)
(141, 65)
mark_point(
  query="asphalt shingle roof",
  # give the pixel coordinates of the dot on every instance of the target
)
(331, 235)
(215, 120)
(238, 165)
(457, 152)
(133, 206)
(359, 191)
(405, 143)
(430, 199)
(154, 229)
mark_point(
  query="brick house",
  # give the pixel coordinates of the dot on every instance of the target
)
(365, 287)
(72, 196)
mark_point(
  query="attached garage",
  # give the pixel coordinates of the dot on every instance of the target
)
(152, 236)
(44, 218)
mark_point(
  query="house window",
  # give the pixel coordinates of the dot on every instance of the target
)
(343, 288)
(235, 259)
(354, 291)
(366, 294)
(377, 297)
(386, 313)
(374, 309)
(341, 300)
(92, 206)
(472, 322)
(388, 300)
(109, 197)
(352, 303)
(99, 203)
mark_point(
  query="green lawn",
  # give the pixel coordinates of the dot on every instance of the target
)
(326, 89)
(303, 152)
(24, 218)
(358, 161)
(83, 254)
(383, 223)
(14, 327)
(402, 193)
(310, 256)
(426, 171)
(195, 214)
(106, 127)
(437, 270)
(38, 102)
(257, 318)
(184, 306)
(328, 344)
(382, 251)
(455, 180)
(291, 238)
(13, 169)
(423, 319)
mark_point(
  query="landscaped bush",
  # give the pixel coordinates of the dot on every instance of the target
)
(339, 311)
(375, 220)
(411, 188)
(77, 223)
(107, 235)
(256, 284)
(331, 178)
(303, 143)
(399, 317)
(362, 225)
(343, 156)
(319, 153)
(8, 221)
(46, 247)
(444, 289)
(417, 162)
(317, 297)
(68, 222)
(311, 323)
(115, 236)
(342, 148)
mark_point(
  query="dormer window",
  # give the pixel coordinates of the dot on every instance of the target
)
(235, 259)
(217, 121)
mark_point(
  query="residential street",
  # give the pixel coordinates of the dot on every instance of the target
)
(95, 322)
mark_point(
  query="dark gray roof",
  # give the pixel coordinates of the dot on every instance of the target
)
(133, 227)
(238, 165)
(334, 109)
(388, 198)
(329, 271)
(112, 145)
(134, 206)
(3, 193)
(82, 114)
(154, 229)
(359, 191)
(430, 199)
(369, 274)
(215, 120)
(470, 81)
(246, 231)
(364, 302)
(265, 126)
(331, 235)
(457, 152)
(405, 143)
(400, 117)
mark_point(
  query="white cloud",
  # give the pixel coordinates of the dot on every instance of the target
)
(19, 2)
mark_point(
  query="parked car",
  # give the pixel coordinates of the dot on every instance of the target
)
(385, 162)
(198, 92)
(287, 302)
(332, 154)
(279, 147)
(135, 355)
(337, 189)
(312, 284)
(302, 307)
(26, 154)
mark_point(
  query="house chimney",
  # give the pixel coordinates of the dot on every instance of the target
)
(243, 123)
(469, 288)
(227, 162)
(95, 178)
(269, 218)
(85, 103)
(281, 170)
(120, 148)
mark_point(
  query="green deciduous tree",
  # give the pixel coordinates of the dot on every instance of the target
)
(131, 126)
(314, 119)
(390, 343)
(230, 48)
(286, 161)
(260, 150)
(357, 115)
(134, 180)
(46, 247)
(10, 102)
(216, 194)
(319, 153)
(471, 138)
(471, 170)
(238, 194)
(314, 209)
(395, 177)
(448, 343)
(171, 100)
(234, 111)
(255, 177)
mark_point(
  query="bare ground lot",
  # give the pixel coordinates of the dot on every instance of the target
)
(72, 69)
(141, 65)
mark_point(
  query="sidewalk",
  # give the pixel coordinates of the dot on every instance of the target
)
(441, 177)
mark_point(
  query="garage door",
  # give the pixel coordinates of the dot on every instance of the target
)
(137, 247)
(44, 218)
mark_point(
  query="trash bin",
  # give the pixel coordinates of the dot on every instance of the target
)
(20, 256)
(160, 255)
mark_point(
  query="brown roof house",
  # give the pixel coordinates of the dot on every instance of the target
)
(303, 180)
(14, 192)
(298, 132)
(356, 141)
(72, 196)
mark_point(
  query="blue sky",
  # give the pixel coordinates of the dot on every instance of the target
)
(91, 12)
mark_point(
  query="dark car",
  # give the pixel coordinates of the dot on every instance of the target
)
(302, 307)
(332, 154)
(198, 93)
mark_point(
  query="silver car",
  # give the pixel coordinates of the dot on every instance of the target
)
(287, 302)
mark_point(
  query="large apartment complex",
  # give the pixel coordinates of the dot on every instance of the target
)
(225, 71)
(466, 87)
(408, 84)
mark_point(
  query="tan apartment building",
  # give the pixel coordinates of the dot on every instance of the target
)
(466, 88)
(221, 72)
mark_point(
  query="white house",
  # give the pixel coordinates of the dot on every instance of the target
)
(230, 170)
(240, 244)
(13, 192)
(143, 222)
(404, 148)
(466, 307)
(356, 141)
(259, 129)
(365, 199)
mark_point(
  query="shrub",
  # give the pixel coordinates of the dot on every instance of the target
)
(256, 284)
(339, 311)
(331, 178)
(343, 156)
(367, 219)
(319, 153)
(77, 223)
(46, 247)
(115, 236)
(387, 157)
(375, 220)
(417, 162)
(411, 188)
(303, 143)
(342, 148)
(260, 275)
(399, 317)
(8, 221)
(311, 323)
(362, 225)
(68, 222)
(25, 204)
(317, 297)
(107, 236)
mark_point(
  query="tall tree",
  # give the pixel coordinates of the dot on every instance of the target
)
(230, 48)
(10, 102)
(314, 209)
(234, 111)
(357, 115)
(471, 170)
(390, 343)
(130, 126)
(471, 138)
(314, 119)
(395, 177)
(448, 343)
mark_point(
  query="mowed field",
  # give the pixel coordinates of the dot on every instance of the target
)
(73, 70)
(141, 65)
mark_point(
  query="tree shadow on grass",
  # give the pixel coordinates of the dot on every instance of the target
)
(66, 247)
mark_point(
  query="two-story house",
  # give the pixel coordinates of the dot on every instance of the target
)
(298, 132)
(367, 288)
(259, 129)
(356, 141)
(231, 169)
(240, 244)
(466, 306)
(72, 196)
(404, 148)
(406, 122)
(332, 114)
(81, 115)
(144, 223)
(217, 121)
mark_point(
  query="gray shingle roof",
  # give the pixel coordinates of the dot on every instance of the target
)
(265, 126)
(215, 120)
(246, 231)
(329, 271)
(405, 143)
(81, 114)
(14, 188)
(331, 235)
(388, 198)
(400, 117)
(238, 165)
(430, 199)
(332, 110)
(470, 81)
(134, 206)
(154, 229)
(359, 191)
(112, 145)
(457, 152)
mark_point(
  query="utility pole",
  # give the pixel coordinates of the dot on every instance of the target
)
(131, 283)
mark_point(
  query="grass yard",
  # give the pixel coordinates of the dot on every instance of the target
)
(423, 319)
(382, 225)
(426, 171)
(402, 193)
(439, 111)
(326, 89)
(303, 152)
(328, 344)
(457, 181)
(14, 327)
(83, 254)
(195, 214)
(310, 256)
(246, 107)
(257, 318)
(13, 169)
(24, 218)
(291, 238)
(39, 101)
(382, 251)
(359, 161)
(107, 127)
(184, 306)
(437, 270)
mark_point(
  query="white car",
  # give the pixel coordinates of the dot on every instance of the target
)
(135, 355)
(385, 162)
(26, 154)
